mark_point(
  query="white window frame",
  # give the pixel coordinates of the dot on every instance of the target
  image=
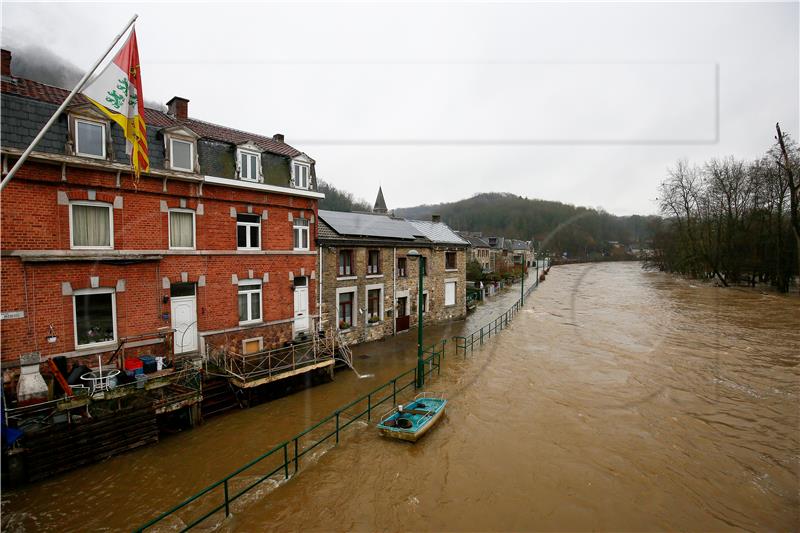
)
(343, 290)
(260, 292)
(102, 125)
(84, 292)
(250, 153)
(307, 228)
(194, 229)
(249, 225)
(455, 292)
(378, 287)
(172, 151)
(110, 226)
(295, 177)
(426, 300)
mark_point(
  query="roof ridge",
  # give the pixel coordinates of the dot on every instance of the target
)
(237, 130)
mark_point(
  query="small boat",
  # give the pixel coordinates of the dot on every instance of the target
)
(411, 421)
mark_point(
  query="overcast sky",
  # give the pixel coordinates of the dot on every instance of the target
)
(582, 103)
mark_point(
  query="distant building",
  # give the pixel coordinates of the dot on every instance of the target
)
(479, 251)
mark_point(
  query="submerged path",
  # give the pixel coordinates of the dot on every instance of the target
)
(124, 491)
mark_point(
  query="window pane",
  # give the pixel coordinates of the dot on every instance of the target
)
(242, 307)
(246, 217)
(91, 225)
(181, 289)
(94, 318)
(305, 238)
(90, 139)
(243, 164)
(181, 154)
(254, 236)
(255, 305)
(181, 229)
(241, 236)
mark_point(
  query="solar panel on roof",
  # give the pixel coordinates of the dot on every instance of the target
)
(365, 225)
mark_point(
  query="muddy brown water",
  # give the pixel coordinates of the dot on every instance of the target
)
(617, 400)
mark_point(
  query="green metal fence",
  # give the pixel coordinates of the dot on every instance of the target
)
(466, 343)
(284, 460)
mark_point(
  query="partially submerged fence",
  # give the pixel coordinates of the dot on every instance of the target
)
(466, 343)
(284, 460)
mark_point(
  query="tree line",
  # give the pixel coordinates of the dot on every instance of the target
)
(733, 220)
(580, 232)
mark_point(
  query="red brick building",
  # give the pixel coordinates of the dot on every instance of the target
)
(215, 243)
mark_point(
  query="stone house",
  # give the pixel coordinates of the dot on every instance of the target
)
(369, 285)
(480, 251)
(216, 243)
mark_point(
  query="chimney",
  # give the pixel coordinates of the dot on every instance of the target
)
(278, 137)
(436, 218)
(178, 108)
(6, 71)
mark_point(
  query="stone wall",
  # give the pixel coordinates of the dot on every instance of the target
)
(393, 286)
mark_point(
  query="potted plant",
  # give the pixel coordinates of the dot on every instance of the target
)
(343, 324)
(373, 319)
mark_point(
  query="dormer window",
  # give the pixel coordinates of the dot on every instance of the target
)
(249, 163)
(300, 175)
(90, 138)
(181, 155)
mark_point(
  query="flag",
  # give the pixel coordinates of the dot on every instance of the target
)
(117, 92)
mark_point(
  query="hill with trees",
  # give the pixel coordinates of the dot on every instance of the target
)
(339, 200)
(559, 227)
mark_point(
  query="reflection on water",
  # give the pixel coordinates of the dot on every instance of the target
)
(618, 400)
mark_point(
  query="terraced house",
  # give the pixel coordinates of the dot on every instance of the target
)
(216, 243)
(369, 283)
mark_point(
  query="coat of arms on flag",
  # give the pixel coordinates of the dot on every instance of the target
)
(117, 92)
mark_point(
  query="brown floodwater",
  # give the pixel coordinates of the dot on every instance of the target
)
(617, 400)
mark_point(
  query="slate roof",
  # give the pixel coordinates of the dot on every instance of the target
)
(475, 242)
(438, 232)
(367, 225)
(153, 117)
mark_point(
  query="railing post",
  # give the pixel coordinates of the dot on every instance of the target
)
(481, 336)
(337, 427)
(394, 391)
(369, 406)
(286, 460)
(296, 456)
(227, 503)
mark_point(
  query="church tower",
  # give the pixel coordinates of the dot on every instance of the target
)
(380, 203)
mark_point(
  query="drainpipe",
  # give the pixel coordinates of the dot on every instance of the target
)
(319, 289)
(394, 291)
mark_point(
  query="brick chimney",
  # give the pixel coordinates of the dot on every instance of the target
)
(278, 137)
(436, 218)
(178, 107)
(6, 71)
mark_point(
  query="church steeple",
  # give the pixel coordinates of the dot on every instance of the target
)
(380, 203)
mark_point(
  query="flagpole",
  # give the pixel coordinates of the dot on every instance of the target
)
(63, 106)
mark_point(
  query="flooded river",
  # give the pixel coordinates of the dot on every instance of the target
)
(617, 400)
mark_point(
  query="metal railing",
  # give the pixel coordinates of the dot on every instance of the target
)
(466, 343)
(283, 460)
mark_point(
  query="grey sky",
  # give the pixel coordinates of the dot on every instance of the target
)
(581, 103)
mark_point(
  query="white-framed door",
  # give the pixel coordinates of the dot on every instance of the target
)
(301, 318)
(184, 318)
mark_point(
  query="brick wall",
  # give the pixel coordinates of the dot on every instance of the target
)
(34, 217)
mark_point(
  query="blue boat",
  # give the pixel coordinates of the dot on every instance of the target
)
(411, 421)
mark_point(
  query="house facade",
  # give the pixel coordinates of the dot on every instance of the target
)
(480, 251)
(214, 246)
(370, 283)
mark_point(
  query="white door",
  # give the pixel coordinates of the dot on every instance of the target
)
(184, 322)
(301, 322)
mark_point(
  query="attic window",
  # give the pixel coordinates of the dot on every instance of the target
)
(300, 173)
(249, 165)
(181, 155)
(90, 138)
